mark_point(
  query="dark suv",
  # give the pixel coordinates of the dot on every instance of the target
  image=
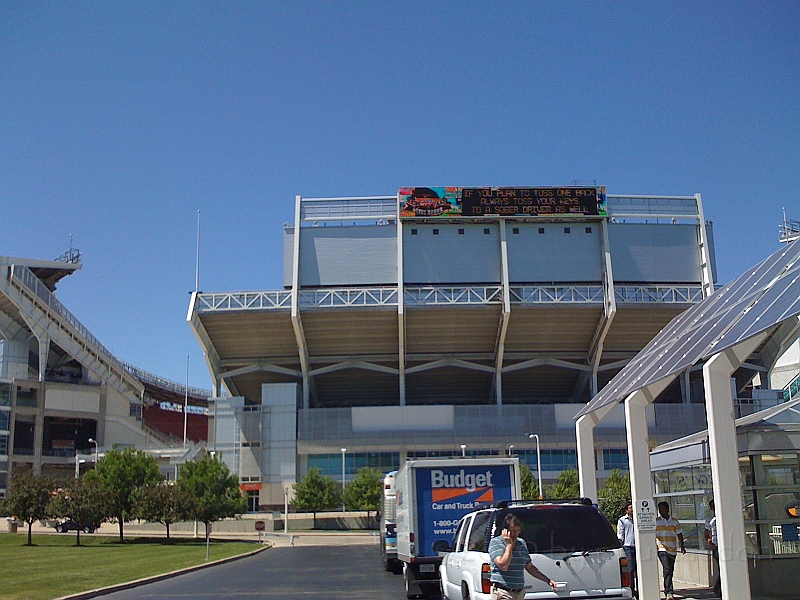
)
(571, 542)
(70, 525)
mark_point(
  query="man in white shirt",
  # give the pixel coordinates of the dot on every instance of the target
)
(625, 534)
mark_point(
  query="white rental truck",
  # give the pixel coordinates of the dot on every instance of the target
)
(388, 525)
(432, 496)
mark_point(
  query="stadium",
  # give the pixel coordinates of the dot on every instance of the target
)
(449, 321)
(64, 397)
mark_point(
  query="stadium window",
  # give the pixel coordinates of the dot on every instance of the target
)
(515, 231)
(566, 230)
(413, 232)
(486, 231)
(435, 232)
(588, 230)
(460, 232)
(614, 458)
(541, 230)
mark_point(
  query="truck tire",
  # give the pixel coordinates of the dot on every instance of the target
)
(59, 528)
(464, 591)
(395, 566)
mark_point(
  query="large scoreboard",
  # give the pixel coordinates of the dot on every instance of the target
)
(426, 202)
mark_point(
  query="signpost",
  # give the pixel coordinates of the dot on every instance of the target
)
(646, 515)
(260, 527)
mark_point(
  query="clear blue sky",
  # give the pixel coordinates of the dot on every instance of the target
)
(119, 120)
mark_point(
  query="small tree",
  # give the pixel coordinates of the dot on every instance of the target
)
(211, 492)
(120, 472)
(28, 497)
(160, 503)
(529, 484)
(365, 491)
(615, 495)
(316, 492)
(83, 500)
(566, 486)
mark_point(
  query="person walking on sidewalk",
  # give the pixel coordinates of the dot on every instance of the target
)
(510, 559)
(710, 534)
(668, 535)
(625, 534)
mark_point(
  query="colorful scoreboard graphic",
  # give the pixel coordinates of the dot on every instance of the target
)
(450, 202)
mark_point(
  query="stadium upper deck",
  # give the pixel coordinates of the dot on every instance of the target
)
(383, 309)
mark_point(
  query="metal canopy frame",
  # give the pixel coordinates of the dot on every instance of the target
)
(720, 334)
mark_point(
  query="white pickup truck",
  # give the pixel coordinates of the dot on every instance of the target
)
(571, 543)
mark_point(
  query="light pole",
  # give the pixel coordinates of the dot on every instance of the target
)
(343, 453)
(96, 449)
(538, 462)
(463, 450)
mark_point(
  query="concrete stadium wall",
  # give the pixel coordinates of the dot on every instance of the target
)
(437, 254)
(638, 252)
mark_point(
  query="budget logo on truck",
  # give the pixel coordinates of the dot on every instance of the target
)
(448, 493)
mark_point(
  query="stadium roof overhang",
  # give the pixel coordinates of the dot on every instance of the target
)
(449, 340)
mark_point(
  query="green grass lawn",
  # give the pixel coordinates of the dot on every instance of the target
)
(55, 567)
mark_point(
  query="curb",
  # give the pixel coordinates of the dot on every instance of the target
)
(145, 580)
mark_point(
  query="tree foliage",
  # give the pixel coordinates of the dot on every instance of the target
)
(566, 486)
(121, 472)
(83, 500)
(160, 503)
(529, 483)
(210, 491)
(365, 491)
(28, 497)
(615, 495)
(316, 492)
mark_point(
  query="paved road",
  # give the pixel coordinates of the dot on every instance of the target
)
(313, 572)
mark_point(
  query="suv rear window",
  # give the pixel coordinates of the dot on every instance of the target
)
(555, 529)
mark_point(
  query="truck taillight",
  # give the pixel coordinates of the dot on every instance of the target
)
(624, 572)
(486, 582)
(411, 537)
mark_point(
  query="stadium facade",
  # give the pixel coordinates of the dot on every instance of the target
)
(64, 397)
(443, 321)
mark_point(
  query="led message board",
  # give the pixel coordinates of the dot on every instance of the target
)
(425, 202)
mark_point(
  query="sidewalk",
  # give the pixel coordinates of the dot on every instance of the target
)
(218, 531)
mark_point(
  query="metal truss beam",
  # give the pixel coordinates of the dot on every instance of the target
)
(354, 364)
(447, 296)
(450, 362)
(262, 366)
(553, 362)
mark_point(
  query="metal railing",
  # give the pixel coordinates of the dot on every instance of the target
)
(791, 389)
(280, 299)
(164, 383)
(662, 294)
(556, 294)
(789, 230)
(349, 209)
(441, 295)
(25, 277)
(321, 298)
(446, 296)
(621, 206)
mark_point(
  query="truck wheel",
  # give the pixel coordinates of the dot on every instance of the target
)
(395, 566)
(59, 529)
(464, 591)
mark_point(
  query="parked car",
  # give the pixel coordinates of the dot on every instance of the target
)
(570, 542)
(70, 525)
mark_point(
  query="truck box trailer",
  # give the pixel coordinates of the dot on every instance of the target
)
(432, 495)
